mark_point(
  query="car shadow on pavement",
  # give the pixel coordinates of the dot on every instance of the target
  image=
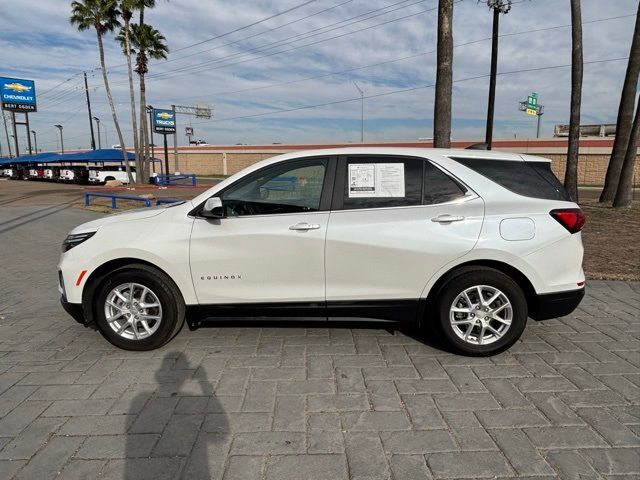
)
(425, 335)
(166, 439)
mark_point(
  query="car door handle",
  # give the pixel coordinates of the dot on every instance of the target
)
(447, 218)
(304, 226)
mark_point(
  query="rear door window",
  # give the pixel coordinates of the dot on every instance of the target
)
(378, 182)
(531, 179)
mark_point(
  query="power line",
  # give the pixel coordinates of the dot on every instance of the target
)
(415, 55)
(247, 26)
(404, 90)
(58, 85)
(191, 69)
(270, 17)
(258, 34)
(312, 33)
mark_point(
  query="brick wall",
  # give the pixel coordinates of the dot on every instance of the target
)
(211, 160)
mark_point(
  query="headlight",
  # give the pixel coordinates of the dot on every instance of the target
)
(75, 240)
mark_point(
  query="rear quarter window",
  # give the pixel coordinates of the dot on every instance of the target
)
(530, 179)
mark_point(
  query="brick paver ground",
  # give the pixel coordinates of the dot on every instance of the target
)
(322, 401)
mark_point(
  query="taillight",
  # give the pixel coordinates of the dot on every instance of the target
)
(570, 218)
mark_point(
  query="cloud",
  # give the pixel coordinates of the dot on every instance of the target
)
(56, 51)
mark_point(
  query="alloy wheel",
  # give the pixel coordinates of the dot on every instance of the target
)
(481, 315)
(133, 311)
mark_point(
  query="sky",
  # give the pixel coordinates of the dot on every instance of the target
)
(260, 65)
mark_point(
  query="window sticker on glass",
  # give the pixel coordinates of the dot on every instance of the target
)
(376, 180)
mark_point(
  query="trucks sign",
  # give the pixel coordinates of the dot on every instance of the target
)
(164, 121)
(18, 95)
(532, 104)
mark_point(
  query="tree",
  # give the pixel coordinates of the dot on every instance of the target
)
(571, 171)
(444, 74)
(127, 7)
(101, 15)
(147, 43)
(625, 116)
(624, 193)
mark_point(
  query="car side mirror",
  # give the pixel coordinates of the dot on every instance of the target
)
(213, 208)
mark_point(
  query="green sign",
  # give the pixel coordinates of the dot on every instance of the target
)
(532, 101)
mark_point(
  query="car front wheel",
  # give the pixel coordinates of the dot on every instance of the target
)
(138, 308)
(481, 312)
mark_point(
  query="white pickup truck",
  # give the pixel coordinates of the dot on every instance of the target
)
(67, 174)
(100, 176)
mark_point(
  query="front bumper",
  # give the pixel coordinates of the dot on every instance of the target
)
(553, 305)
(73, 309)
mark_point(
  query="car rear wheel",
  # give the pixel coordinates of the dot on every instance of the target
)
(481, 312)
(138, 308)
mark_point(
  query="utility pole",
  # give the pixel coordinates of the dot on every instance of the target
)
(6, 132)
(175, 146)
(35, 140)
(498, 7)
(99, 138)
(539, 114)
(361, 112)
(59, 127)
(15, 133)
(86, 92)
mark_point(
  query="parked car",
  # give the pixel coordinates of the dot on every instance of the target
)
(468, 242)
(74, 174)
(52, 173)
(19, 173)
(67, 174)
(101, 175)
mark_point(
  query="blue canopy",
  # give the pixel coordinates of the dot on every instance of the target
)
(103, 155)
(39, 158)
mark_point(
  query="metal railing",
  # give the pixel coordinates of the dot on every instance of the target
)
(173, 179)
(160, 201)
(114, 197)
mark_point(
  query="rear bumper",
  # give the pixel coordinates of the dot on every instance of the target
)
(553, 305)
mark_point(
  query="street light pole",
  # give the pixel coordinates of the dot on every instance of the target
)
(153, 154)
(59, 127)
(35, 140)
(99, 138)
(498, 7)
(361, 112)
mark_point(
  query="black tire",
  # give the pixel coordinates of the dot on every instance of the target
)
(468, 278)
(173, 308)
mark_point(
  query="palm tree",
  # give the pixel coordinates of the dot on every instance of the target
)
(101, 15)
(127, 7)
(147, 43)
(625, 116)
(444, 74)
(571, 171)
(624, 193)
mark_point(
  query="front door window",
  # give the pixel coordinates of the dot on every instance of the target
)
(293, 187)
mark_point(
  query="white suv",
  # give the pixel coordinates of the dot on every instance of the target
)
(469, 242)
